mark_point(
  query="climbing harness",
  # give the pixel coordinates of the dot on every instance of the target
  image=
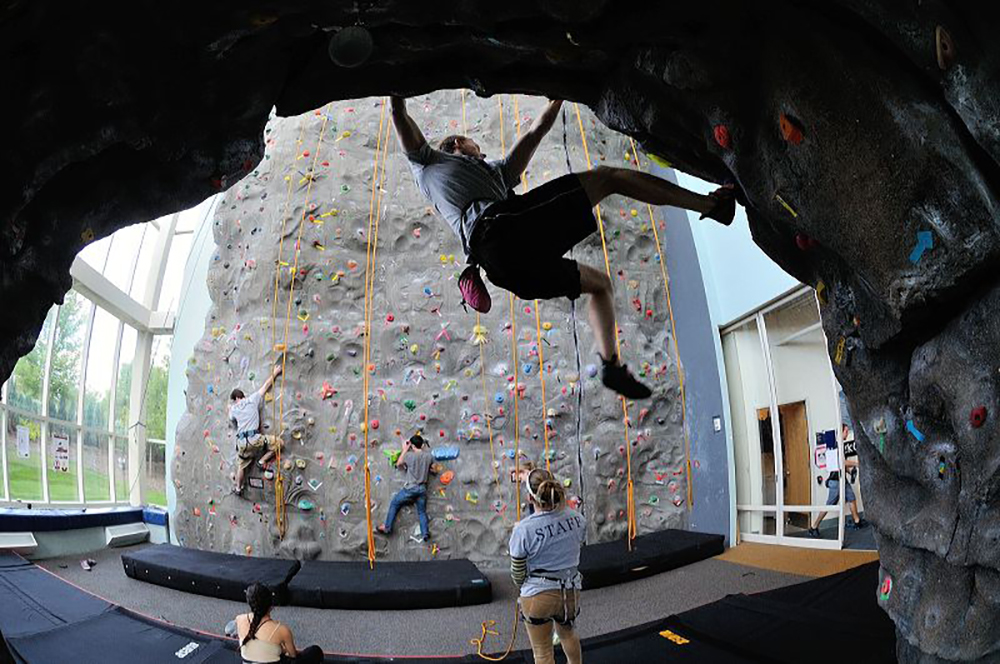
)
(673, 335)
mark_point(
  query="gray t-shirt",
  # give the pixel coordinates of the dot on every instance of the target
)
(457, 183)
(418, 465)
(246, 413)
(550, 541)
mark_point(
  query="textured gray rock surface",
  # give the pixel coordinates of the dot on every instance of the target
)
(112, 121)
(425, 370)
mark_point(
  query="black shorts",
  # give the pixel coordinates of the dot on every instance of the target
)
(520, 242)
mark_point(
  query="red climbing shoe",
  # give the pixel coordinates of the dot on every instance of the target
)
(724, 208)
(380, 529)
(616, 377)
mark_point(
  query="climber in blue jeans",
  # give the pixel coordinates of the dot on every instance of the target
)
(416, 459)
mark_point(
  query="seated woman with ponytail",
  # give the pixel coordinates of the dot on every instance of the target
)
(544, 554)
(264, 640)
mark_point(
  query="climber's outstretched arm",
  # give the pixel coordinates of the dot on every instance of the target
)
(525, 147)
(410, 136)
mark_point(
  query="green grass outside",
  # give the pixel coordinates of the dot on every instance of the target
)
(25, 480)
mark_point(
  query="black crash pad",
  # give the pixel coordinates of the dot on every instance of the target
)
(391, 585)
(609, 563)
(222, 575)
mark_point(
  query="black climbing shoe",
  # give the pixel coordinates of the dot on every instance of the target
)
(725, 205)
(814, 532)
(616, 377)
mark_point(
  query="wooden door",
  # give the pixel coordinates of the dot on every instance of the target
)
(795, 455)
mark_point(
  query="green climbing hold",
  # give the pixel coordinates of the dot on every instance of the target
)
(331, 357)
(345, 188)
(392, 455)
(305, 504)
(410, 405)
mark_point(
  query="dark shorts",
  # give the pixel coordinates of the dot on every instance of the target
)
(521, 241)
(833, 492)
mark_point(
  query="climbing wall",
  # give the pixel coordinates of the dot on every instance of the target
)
(293, 240)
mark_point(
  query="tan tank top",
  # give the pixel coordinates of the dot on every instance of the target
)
(258, 650)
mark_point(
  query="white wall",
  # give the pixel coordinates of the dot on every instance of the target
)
(188, 328)
(738, 276)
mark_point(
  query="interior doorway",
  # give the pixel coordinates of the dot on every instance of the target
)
(785, 409)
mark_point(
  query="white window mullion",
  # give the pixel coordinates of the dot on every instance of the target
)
(113, 398)
(44, 411)
(779, 479)
(81, 400)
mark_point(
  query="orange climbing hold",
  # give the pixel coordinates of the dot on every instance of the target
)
(790, 129)
(447, 476)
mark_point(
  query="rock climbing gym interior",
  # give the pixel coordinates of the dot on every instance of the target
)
(539, 332)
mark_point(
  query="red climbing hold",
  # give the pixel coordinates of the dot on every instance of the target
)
(375, 424)
(305, 153)
(721, 133)
(389, 318)
(804, 242)
(977, 417)
(790, 129)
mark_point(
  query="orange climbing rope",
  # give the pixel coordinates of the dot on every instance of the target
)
(538, 318)
(513, 351)
(488, 626)
(374, 217)
(630, 489)
(673, 335)
(279, 487)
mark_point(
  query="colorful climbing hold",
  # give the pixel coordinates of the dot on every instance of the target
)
(791, 130)
(447, 476)
(944, 48)
(912, 428)
(977, 417)
(886, 588)
(925, 241)
(721, 133)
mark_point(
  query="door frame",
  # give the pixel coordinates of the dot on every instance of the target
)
(779, 509)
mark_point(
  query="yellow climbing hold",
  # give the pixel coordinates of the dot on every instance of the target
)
(546, 326)
(785, 205)
(658, 160)
(414, 348)
(821, 293)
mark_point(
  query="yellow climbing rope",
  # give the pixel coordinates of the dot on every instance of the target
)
(673, 335)
(630, 489)
(279, 486)
(374, 217)
(278, 483)
(538, 317)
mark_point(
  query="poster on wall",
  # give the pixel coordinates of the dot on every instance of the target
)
(23, 442)
(60, 459)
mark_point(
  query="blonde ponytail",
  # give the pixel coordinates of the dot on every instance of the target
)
(547, 491)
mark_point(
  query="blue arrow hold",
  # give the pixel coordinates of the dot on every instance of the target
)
(912, 428)
(925, 241)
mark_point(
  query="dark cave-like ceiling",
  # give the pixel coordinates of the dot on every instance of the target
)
(862, 137)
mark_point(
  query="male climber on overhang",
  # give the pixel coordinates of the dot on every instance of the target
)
(521, 239)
